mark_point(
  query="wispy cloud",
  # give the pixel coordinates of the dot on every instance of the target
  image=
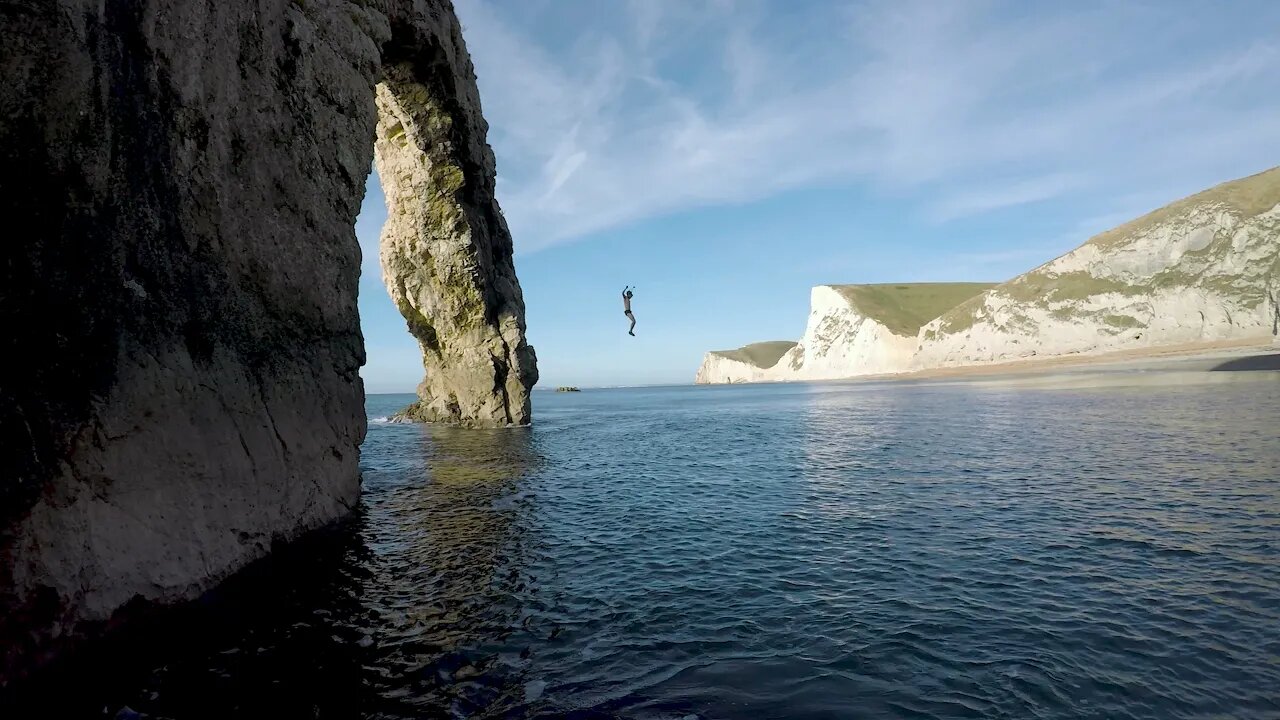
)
(963, 107)
(1010, 194)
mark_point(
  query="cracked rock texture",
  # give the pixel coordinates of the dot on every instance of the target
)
(181, 332)
(446, 255)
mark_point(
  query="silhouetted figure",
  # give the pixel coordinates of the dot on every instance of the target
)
(626, 309)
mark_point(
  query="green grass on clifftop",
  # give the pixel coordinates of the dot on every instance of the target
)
(1248, 196)
(761, 354)
(905, 308)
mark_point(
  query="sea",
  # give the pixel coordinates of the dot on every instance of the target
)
(1089, 545)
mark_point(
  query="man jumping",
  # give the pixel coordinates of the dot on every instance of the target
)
(626, 309)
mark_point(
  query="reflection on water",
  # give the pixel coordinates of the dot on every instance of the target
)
(405, 610)
(444, 591)
(931, 550)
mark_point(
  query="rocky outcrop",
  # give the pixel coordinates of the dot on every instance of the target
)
(1206, 268)
(181, 333)
(852, 330)
(446, 251)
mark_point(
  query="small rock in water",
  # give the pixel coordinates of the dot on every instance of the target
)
(366, 641)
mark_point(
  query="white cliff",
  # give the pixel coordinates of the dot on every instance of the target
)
(1204, 269)
(852, 330)
(751, 363)
(842, 340)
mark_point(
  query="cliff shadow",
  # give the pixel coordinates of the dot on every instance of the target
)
(183, 313)
(260, 644)
(448, 574)
(413, 604)
(1267, 361)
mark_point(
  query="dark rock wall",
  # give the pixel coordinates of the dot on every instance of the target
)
(178, 289)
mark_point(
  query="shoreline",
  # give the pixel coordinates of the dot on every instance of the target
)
(1194, 357)
(1197, 356)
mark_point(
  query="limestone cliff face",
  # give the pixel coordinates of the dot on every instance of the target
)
(852, 330)
(180, 328)
(753, 363)
(446, 256)
(1205, 268)
(718, 369)
(843, 340)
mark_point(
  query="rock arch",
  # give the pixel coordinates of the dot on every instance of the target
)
(181, 334)
(446, 252)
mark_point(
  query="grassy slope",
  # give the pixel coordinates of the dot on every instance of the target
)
(761, 354)
(1247, 196)
(904, 308)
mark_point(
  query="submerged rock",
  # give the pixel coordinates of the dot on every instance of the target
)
(179, 312)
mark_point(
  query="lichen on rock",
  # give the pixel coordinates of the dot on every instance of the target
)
(447, 255)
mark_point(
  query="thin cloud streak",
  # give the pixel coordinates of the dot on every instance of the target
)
(686, 105)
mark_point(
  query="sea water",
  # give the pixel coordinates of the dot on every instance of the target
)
(1078, 547)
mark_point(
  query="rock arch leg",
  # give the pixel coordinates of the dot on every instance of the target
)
(447, 254)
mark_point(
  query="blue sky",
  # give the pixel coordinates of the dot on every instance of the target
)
(725, 156)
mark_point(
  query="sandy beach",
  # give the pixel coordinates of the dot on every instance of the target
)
(1249, 354)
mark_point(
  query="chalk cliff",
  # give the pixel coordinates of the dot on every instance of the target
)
(852, 330)
(180, 328)
(1203, 269)
(751, 363)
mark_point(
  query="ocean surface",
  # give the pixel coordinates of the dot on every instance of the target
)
(1084, 546)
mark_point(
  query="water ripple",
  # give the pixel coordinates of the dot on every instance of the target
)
(924, 551)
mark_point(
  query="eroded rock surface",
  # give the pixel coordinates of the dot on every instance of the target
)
(1203, 269)
(447, 255)
(181, 338)
(749, 363)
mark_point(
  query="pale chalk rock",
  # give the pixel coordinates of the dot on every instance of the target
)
(852, 330)
(719, 367)
(841, 340)
(1204, 269)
